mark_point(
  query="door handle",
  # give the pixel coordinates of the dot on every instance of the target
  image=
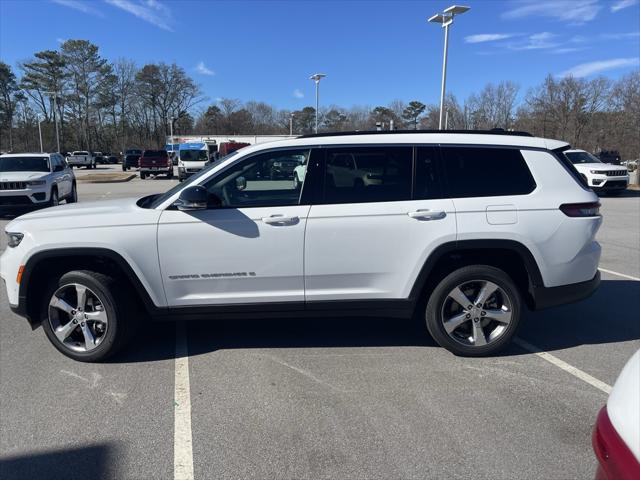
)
(280, 220)
(426, 214)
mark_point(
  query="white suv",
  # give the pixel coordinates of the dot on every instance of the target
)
(463, 230)
(601, 177)
(35, 179)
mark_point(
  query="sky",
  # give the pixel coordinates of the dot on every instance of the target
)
(372, 51)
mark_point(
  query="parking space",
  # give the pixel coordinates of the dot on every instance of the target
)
(322, 398)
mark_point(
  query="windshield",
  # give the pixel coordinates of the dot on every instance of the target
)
(582, 157)
(24, 164)
(133, 152)
(194, 155)
(193, 180)
(80, 153)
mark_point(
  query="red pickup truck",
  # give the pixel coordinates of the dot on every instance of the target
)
(155, 162)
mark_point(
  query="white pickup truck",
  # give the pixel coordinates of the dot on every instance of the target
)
(82, 158)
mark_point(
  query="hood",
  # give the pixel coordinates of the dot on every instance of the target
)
(103, 213)
(21, 176)
(599, 166)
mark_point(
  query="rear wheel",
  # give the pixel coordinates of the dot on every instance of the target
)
(170, 173)
(474, 311)
(143, 175)
(86, 317)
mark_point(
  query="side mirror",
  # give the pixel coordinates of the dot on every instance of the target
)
(241, 183)
(192, 198)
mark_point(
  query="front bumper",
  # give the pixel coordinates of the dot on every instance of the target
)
(546, 297)
(30, 197)
(603, 182)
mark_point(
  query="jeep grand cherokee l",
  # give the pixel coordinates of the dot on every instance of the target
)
(461, 229)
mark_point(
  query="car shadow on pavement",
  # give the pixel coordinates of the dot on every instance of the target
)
(94, 461)
(629, 193)
(606, 317)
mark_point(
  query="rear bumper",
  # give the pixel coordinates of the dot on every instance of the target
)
(546, 297)
(156, 169)
(615, 460)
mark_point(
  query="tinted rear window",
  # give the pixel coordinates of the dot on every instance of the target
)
(486, 172)
(367, 174)
(155, 153)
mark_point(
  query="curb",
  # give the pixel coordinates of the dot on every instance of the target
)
(106, 180)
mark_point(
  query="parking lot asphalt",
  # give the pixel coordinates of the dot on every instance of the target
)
(323, 398)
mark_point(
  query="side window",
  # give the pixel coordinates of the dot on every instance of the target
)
(55, 162)
(367, 174)
(486, 172)
(428, 181)
(262, 180)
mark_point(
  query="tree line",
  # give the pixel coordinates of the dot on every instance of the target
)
(110, 106)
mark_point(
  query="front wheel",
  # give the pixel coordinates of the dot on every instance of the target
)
(85, 317)
(143, 175)
(474, 311)
(73, 196)
(170, 174)
(54, 201)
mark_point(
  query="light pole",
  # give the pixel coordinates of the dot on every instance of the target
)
(445, 19)
(55, 115)
(291, 124)
(316, 77)
(40, 133)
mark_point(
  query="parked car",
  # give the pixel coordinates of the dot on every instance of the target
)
(35, 180)
(111, 159)
(99, 156)
(283, 168)
(616, 435)
(155, 162)
(632, 165)
(601, 177)
(464, 230)
(192, 158)
(131, 158)
(611, 157)
(82, 158)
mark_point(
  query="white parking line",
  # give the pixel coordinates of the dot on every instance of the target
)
(611, 272)
(182, 440)
(576, 372)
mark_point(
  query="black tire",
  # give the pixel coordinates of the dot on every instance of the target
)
(436, 302)
(120, 308)
(53, 199)
(170, 174)
(124, 169)
(73, 196)
(143, 175)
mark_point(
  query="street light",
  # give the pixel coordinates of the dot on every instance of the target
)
(445, 19)
(55, 115)
(316, 77)
(291, 125)
(40, 133)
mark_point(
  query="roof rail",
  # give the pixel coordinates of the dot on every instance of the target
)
(495, 131)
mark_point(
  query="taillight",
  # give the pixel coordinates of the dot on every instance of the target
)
(591, 209)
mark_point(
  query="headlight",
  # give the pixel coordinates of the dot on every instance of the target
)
(14, 239)
(36, 182)
(596, 172)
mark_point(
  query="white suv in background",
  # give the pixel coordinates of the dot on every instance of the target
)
(601, 177)
(35, 179)
(461, 229)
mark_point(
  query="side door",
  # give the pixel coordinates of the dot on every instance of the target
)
(247, 247)
(369, 240)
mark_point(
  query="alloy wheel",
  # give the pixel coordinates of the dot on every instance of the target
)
(476, 313)
(78, 317)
